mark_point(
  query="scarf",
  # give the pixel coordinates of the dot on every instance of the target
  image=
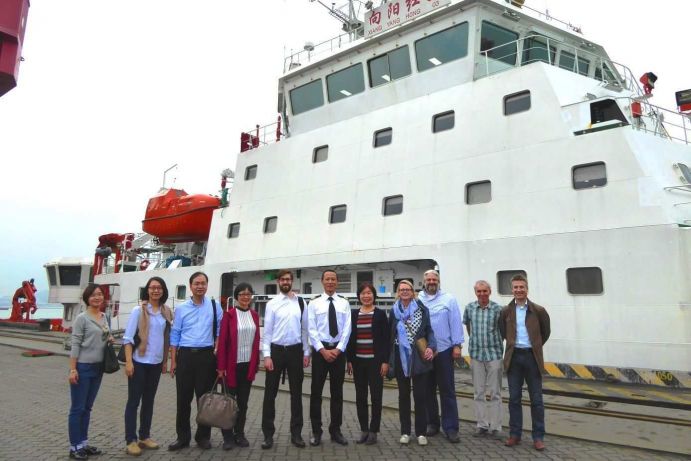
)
(404, 348)
(143, 326)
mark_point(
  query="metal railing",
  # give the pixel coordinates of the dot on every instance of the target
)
(262, 135)
(310, 52)
(539, 48)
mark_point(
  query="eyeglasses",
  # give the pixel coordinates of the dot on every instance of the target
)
(244, 294)
(404, 290)
(155, 288)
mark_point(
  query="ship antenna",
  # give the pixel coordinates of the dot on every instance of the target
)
(351, 24)
(165, 173)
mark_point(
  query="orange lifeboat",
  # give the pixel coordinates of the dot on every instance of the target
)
(174, 216)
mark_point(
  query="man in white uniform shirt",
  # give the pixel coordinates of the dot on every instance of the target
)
(329, 330)
(285, 348)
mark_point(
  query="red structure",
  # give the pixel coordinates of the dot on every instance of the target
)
(174, 216)
(24, 302)
(648, 80)
(13, 15)
(109, 243)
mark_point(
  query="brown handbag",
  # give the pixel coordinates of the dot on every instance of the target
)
(421, 345)
(217, 409)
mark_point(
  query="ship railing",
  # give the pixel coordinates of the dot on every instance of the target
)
(534, 48)
(261, 135)
(649, 118)
(312, 51)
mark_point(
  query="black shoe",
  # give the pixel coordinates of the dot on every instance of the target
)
(267, 443)
(432, 430)
(338, 438)
(452, 436)
(363, 437)
(78, 454)
(297, 441)
(204, 444)
(371, 438)
(92, 451)
(227, 444)
(241, 441)
(178, 445)
(316, 440)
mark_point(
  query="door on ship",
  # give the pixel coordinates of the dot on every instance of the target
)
(227, 286)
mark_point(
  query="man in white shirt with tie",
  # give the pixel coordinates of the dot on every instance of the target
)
(329, 321)
(285, 348)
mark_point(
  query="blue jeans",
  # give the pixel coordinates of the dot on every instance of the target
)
(442, 377)
(524, 368)
(83, 395)
(142, 387)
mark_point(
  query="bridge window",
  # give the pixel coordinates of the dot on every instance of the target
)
(535, 49)
(250, 172)
(180, 292)
(52, 276)
(383, 137)
(584, 280)
(442, 47)
(685, 172)
(501, 42)
(320, 154)
(504, 281)
(390, 66)
(478, 192)
(270, 224)
(70, 275)
(443, 122)
(517, 102)
(588, 176)
(392, 205)
(345, 83)
(337, 214)
(606, 110)
(233, 230)
(307, 97)
(568, 61)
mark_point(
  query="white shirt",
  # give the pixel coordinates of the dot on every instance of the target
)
(318, 315)
(246, 331)
(284, 325)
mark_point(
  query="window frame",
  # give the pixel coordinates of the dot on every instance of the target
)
(385, 201)
(387, 55)
(599, 283)
(374, 137)
(251, 170)
(234, 226)
(517, 95)
(436, 117)
(316, 150)
(321, 93)
(333, 209)
(514, 41)
(418, 53)
(585, 165)
(267, 221)
(477, 183)
(177, 291)
(510, 272)
(338, 96)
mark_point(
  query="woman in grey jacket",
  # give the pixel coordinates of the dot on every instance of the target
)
(411, 331)
(90, 333)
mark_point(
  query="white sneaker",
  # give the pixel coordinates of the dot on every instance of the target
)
(421, 440)
(405, 438)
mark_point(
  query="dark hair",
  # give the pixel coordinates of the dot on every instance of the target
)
(364, 286)
(519, 278)
(283, 272)
(329, 270)
(164, 296)
(197, 274)
(89, 290)
(240, 288)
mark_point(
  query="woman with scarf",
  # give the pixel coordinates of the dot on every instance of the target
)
(238, 358)
(146, 342)
(412, 350)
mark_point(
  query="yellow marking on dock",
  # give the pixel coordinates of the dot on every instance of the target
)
(616, 374)
(582, 371)
(650, 377)
(553, 370)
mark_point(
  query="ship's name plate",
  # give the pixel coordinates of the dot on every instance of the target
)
(396, 12)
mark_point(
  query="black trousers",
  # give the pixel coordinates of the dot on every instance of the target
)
(287, 358)
(420, 383)
(141, 387)
(366, 375)
(336, 372)
(242, 394)
(195, 374)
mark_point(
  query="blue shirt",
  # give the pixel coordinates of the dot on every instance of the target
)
(154, 343)
(192, 324)
(522, 338)
(445, 317)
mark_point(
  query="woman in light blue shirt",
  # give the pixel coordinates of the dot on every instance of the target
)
(146, 342)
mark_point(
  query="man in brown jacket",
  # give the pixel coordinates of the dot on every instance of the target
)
(525, 327)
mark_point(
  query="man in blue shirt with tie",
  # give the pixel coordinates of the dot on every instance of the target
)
(193, 363)
(525, 326)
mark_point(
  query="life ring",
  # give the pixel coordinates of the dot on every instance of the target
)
(144, 264)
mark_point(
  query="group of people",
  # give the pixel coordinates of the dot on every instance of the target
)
(418, 344)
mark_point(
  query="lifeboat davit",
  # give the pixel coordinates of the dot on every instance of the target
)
(12, 26)
(174, 216)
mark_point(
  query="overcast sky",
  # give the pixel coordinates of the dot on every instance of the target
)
(112, 92)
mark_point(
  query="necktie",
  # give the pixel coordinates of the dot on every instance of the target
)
(333, 324)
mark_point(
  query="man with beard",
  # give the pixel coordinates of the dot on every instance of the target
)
(445, 317)
(285, 348)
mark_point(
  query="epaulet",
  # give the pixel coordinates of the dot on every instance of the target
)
(341, 296)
